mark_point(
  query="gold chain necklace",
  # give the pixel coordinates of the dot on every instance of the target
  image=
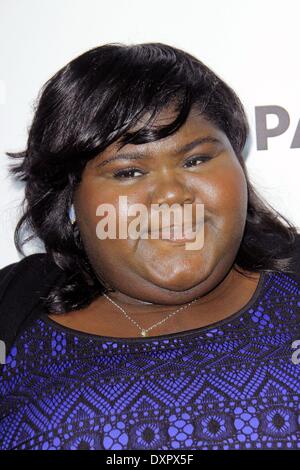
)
(144, 331)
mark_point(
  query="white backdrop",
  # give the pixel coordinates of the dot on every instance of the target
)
(253, 46)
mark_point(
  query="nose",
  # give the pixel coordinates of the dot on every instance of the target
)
(171, 190)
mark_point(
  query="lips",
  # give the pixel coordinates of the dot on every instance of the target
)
(175, 233)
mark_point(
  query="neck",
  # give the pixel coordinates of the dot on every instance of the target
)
(215, 294)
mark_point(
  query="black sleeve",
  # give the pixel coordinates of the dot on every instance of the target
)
(6, 274)
(21, 286)
(9, 272)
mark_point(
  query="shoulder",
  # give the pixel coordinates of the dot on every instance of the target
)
(22, 285)
(22, 263)
(29, 271)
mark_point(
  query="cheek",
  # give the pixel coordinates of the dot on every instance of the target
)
(227, 189)
(229, 201)
(88, 199)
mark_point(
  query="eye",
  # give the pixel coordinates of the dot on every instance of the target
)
(128, 173)
(202, 158)
(125, 174)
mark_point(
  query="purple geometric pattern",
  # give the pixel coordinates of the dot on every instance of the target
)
(231, 385)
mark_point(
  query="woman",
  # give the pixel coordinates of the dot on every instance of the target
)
(140, 343)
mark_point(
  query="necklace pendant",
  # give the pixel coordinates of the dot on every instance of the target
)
(143, 333)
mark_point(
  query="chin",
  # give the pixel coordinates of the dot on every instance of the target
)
(182, 281)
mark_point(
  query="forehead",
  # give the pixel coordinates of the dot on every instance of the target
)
(196, 125)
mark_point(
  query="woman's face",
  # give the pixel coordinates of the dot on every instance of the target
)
(157, 270)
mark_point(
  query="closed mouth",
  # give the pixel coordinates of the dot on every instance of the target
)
(176, 233)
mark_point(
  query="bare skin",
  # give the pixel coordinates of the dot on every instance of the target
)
(151, 277)
(102, 318)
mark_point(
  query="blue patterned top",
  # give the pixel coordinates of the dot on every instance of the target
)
(230, 385)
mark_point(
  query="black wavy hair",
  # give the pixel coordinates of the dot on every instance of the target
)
(94, 101)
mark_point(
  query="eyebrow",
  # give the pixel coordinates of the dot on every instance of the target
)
(140, 156)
